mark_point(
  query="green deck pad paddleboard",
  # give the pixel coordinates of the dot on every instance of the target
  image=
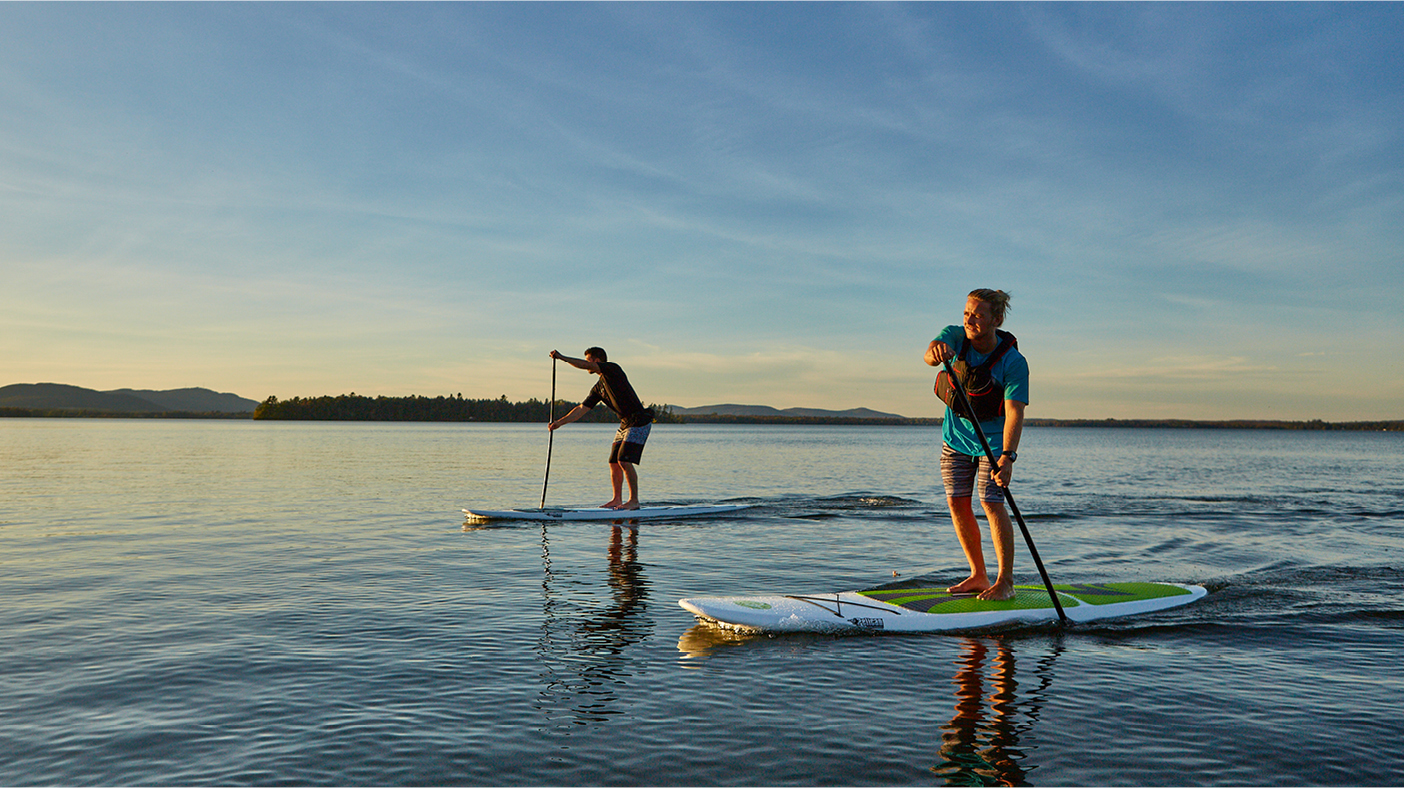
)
(918, 604)
(939, 601)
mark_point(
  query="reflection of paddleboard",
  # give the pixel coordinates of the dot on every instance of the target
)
(913, 606)
(642, 513)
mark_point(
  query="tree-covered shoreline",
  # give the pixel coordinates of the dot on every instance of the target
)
(356, 407)
(353, 407)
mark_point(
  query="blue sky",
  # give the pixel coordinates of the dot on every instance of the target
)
(1197, 207)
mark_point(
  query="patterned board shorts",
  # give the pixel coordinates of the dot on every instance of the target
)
(629, 444)
(959, 471)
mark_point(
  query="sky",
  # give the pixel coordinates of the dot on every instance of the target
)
(1197, 208)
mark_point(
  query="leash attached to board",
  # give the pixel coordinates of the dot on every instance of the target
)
(994, 466)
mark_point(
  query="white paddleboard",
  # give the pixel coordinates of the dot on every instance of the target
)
(642, 513)
(916, 607)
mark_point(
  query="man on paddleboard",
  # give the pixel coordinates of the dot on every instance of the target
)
(635, 421)
(996, 378)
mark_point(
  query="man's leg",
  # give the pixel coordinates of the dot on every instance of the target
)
(1002, 534)
(616, 480)
(968, 532)
(632, 474)
(625, 455)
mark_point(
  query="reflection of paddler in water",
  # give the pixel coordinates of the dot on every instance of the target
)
(583, 647)
(625, 573)
(980, 744)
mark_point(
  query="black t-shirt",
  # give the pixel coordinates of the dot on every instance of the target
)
(613, 389)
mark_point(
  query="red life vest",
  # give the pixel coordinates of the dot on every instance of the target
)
(985, 397)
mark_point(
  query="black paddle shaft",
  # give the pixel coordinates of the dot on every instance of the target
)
(959, 386)
(551, 439)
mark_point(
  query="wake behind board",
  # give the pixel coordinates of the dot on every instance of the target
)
(914, 607)
(642, 513)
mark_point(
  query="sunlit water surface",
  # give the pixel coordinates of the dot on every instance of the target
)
(197, 602)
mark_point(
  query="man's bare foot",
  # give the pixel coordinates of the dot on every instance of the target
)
(999, 592)
(614, 504)
(627, 507)
(970, 585)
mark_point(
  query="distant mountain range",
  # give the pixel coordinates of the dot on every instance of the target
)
(766, 410)
(57, 396)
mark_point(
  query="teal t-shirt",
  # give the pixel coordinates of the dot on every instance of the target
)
(1011, 371)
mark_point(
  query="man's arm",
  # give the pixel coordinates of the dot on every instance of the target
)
(578, 363)
(1013, 430)
(576, 413)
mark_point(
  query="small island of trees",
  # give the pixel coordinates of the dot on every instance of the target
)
(355, 407)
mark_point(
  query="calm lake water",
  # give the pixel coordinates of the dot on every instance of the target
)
(236, 603)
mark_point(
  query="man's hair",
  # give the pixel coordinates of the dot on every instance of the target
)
(597, 352)
(997, 299)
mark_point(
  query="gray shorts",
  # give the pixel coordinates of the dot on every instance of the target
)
(959, 472)
(629, 444)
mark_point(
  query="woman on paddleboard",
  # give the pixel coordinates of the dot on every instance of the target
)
(995, 376)
(635, 421)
